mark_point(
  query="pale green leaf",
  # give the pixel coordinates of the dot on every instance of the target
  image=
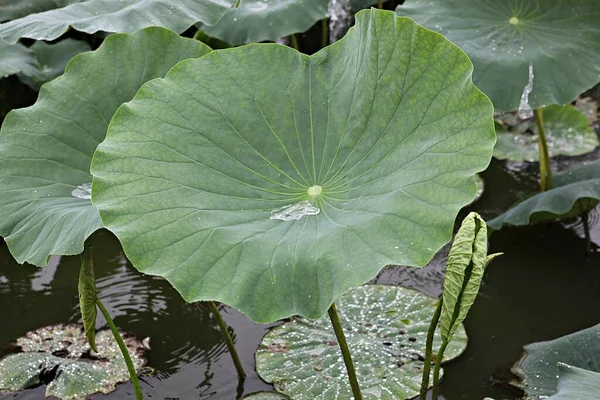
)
(559, 38)
(577, 384)
(13, 9)
(46, 149)
(16, 58)
(386, 329)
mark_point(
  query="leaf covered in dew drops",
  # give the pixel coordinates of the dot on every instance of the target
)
(383, 136)
(539, 369)
(260, 20)
(46, 149)
(568, 133)
(576, 384)
(560, 39)
(91, 16)
(386, 330)
(466, 263)
(575, 191)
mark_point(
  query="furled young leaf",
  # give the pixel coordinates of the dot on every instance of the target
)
(87, 295)
(259, 20)
(559, 38)
(274, 182)
(15, 58)
(51, 60)
(386, 329)
(91, 16)
(46, 149)
(13, 9)
(575, 191)
(538, 369)
(466, 262)
(577, 384)
(568, 132)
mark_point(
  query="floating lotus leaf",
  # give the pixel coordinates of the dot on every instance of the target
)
(568, 133)
(91, 16)
(62, 352)
(274, 182)
(13, 9)
(46, 149)
(577, 384)
(539, 369)
(259, 20)
(576, 191)
(559, 38)
(266, 396)
(386, 329)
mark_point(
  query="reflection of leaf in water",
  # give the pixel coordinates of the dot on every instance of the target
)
(60, 356)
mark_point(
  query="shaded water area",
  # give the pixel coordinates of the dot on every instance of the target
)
(544, 286)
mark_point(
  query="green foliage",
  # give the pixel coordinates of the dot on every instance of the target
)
(577, 384)
(87, 295)
(46, 149)
(13, 9)
(276, 187)
(560, 38)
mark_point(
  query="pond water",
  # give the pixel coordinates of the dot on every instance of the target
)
(544, 286)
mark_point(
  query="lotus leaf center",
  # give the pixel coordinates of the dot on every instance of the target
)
(513, 20)
(314, 190)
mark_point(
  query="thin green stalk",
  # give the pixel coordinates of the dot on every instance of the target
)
(586, 231)
(380, 4)
(428, 350)
(132, 374)
(546, 182)
(341, 338)
(294, 41)
(436, 369)
(228, 340)
(324, 32)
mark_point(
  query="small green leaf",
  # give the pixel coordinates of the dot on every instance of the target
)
(538, 369)
(301, 358)
(503, 37)
(87, 295)
(577, 384)
(576, 191)
(92, 16)
(568, 132)
(466, 263)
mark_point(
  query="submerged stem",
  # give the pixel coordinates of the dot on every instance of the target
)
(228, 340)
(586, 231)
(545, 170)
(294, 41)
(428, 350)
(132, 374)
(436, 369)
(341, 338)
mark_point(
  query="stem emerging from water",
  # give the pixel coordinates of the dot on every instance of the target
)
(436, 369)
(428, 351)
(586, 231)
(132, 374)
(228, 340)
(545, 170)
(341, 338)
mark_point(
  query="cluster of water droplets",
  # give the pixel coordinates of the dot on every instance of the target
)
(525, 111)
(83, 191)
(295, 211)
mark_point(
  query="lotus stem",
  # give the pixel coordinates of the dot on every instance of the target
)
(294, 41)
(428, 350)
(341, 338)
(586, 231)
(380, 4)
(132, 374)
(324, 33)
(228, 340)
(546, 182)
(436, 369)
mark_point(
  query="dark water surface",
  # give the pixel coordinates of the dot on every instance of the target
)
(544, 286)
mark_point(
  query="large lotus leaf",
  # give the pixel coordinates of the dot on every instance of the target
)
(274, 181)
(46, 149)
(115, 16)
(568, 133)
(16, 58)
(559, 38)
(13, 9)
(259, 20)
(386, 329)
(576, 191)
(577, 384)
(51, 60)
(266, 396)
(78, 371)
(538, 369)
